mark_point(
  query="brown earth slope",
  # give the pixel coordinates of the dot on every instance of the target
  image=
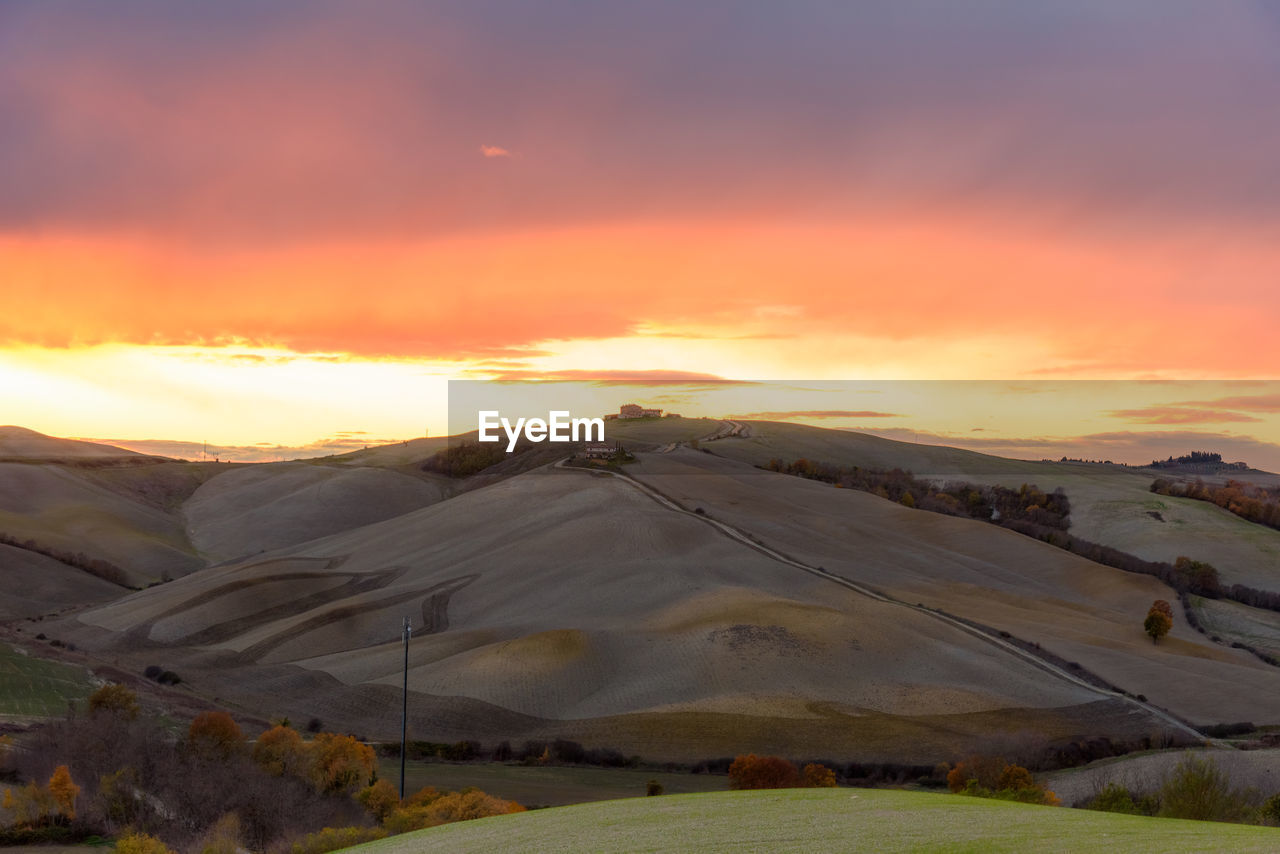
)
(1079, 610)
(1112, 505)
(570, 604)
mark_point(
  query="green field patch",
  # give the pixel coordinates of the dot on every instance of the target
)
(35, 687)
(1233, 622)
(826, 820)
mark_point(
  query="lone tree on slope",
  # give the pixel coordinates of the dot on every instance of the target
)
(1159, 620)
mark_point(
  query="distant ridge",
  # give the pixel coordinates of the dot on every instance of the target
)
(19, 442)
(1199, 462)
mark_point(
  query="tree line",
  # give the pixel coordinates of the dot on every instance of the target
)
(1000, 504)
(1207, 460)
(104, 569)
(1254, 503)
(1032, 512)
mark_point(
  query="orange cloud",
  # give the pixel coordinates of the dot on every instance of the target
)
(815, 413)
(1242, 403)
(609, 378)
(494, 151)
(913, 290)
(1180, 415)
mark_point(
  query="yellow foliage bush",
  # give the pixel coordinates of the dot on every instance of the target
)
(141, 843)
(334, 838)
(819, 776)
(281, 750)
(379, 799)
(454, 806)
(423, 796)
(30, 806)
(223, 837)
(114, 699)
(64, 792)
(339, 763)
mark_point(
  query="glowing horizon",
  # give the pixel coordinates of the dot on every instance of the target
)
(254, 225)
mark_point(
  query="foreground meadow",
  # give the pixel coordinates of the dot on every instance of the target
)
(825, 820)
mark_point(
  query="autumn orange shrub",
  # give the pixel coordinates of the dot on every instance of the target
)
(986, 770)
(339, 763)
(990, 777)
(214, 735)
(281, 750)
(64, 792)
(1015, 777)
(380, 799)
(1159, 620)
(443, 809)
(762, 772)
(819, 776)
(423, 796)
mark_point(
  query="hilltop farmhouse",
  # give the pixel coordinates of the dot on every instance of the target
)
(632, 410)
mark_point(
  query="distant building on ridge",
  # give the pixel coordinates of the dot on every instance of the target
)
(632, 410)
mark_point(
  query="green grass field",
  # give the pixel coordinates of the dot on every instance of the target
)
(826, 820)
(33, 687)
(1235, 622)
(550, 785)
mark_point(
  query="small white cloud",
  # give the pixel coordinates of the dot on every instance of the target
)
(494, 151)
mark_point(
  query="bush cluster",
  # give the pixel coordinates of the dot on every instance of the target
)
(992, 777)
(116, 770)
(468, 458)
(1258, 504)
(750, 771)
(1196, 788)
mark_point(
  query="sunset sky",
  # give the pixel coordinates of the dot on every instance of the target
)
(292, 223)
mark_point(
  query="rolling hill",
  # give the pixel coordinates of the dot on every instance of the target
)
(825, 820)
(569, 604)
(1080, 611)
(68, 508)
(562, 602)
(21, 443)
(257, 508)
(696, 607)
(1111, 505)
(150, 519)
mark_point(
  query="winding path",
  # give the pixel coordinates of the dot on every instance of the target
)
(724, 430)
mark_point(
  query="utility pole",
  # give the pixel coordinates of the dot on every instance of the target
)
(404, 711)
